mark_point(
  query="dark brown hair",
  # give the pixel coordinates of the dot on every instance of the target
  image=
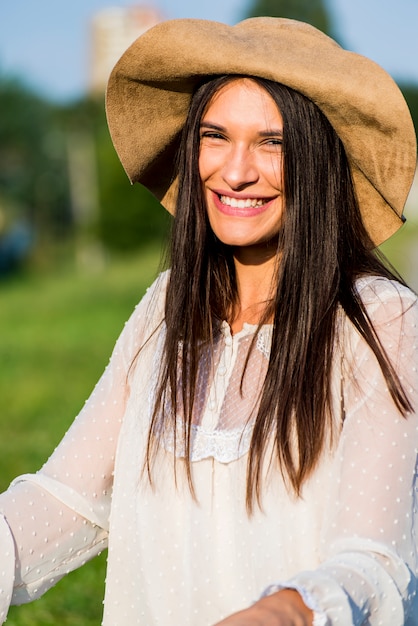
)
(323, 248)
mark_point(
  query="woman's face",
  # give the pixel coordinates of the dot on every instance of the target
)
(240, 165)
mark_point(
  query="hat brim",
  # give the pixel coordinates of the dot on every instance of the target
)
(150, 89)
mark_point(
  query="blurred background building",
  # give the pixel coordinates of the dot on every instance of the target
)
(113, 29)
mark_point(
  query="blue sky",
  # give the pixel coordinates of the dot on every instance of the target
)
(46, 42)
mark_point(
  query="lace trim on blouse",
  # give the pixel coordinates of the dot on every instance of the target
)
(222, 445)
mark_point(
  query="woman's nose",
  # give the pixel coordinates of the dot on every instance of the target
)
(239, 169)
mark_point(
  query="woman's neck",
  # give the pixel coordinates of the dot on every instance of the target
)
(255, 282)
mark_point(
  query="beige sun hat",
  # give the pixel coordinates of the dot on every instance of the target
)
(150, 88)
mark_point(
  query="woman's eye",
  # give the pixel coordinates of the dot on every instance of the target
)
(274, 141)
(211, 135)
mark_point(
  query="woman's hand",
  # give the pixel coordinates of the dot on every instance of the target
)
(283, 608)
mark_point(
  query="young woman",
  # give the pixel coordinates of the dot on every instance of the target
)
(249, 455)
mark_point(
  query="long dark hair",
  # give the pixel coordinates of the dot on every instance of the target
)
(323, 248)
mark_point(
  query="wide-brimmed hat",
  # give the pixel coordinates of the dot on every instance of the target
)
(150, 88)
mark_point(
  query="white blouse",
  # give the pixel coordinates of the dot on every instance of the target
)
(348, 544)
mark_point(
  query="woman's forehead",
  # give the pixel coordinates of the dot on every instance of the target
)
(243, 99)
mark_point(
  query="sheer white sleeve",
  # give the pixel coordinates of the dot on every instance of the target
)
(369, 552)
(55, 520)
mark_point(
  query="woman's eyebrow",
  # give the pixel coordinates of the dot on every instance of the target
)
(272, 131)
(212, 126)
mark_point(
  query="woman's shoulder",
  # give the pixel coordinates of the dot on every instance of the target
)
(391, 307)
(379, 289)
(145, 319)
(155, 294)
(150, 309)
(159, 285)
(387, 301)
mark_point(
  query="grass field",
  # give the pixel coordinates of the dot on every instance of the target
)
(56, 335)
(402, 251)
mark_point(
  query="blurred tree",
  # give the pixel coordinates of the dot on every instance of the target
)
(33, 175)
(126, 216)
(59, 173)
(314, 12)
(129, 214)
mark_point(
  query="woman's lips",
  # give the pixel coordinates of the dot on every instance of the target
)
(240, 207)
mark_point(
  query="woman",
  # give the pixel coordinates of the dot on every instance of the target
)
(249, 454)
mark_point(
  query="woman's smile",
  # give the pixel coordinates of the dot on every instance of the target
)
(242, 206)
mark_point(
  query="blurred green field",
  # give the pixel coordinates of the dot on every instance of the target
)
(56, 335)
(402, 250)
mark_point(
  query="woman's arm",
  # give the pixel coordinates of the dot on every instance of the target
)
(57, 519)
(369, 559)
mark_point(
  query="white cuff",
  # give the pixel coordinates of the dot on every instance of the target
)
(319, 617)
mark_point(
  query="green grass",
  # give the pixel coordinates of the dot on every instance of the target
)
(56, 335)
(402, 252)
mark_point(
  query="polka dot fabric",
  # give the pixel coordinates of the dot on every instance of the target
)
(348, 544)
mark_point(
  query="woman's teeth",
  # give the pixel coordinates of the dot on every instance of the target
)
(242, 203)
